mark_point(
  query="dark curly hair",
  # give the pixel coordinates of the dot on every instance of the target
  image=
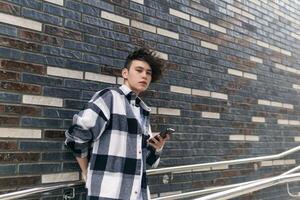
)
(144, 54)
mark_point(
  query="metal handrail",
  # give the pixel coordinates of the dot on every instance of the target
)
(194, 167)
(185, 168)
(36, 190)
(252, 187)
(216, 189)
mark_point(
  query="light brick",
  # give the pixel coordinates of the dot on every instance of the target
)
(264, 102)
(234, 9)
(274, 48)
(218, 95)
(57, 2)
(168, 111)
(288, 106)
(295, 36)
(220, 167)
(290, 162)
(212, 115)
(248, 15)
(114, 18)
(202, 93)
(297, 139)
(278, 162)
(276, 104)
(179, 14)
(60, 177)
(263, 44)
(200, 21)
(237, 137)
(252, 138)
(162, 55)
(235, 72)
(20, 133)
(143, 26)
(294, 122)
(167, 33)
(266, 163)
(256, 59)
(295, 86)
(120, 80)
(217, 28)
(258, 119)
(182, 90)
(42, 100)
(19, 21)
(285, 52)
(100, 78)
(250, 76)
(283, 121)
(257, 2)
(55, 71)
(138, 1)
(280, 66)
(153, 110)
(292, 70)
(209, 45)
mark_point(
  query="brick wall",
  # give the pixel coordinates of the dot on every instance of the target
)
(231, 91)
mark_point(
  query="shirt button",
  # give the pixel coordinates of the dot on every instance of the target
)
(135, 192)
(140, 152)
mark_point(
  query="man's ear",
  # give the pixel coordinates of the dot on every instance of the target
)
(125, 73)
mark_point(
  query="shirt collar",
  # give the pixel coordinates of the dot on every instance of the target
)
(133, 98)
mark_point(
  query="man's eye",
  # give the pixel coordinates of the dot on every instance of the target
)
(149, 73)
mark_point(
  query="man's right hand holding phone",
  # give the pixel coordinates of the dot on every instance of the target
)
(159, 140)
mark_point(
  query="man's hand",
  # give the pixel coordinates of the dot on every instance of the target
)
(157, 142)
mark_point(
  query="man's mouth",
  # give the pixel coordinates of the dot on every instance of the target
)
(143, 82)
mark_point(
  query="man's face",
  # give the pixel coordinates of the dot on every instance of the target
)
(138, 76)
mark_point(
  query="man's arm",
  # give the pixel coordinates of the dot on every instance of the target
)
(83, 163)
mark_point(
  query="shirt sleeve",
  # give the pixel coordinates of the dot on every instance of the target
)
(89, 124)
(153, 157)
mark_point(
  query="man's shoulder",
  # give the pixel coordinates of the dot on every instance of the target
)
(108, 92)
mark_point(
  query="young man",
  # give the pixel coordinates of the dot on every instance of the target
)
(110, 138)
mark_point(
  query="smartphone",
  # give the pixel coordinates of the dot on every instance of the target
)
(165, 132)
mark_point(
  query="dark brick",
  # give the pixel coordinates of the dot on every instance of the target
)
(74, 104)
(62, 93)
(9, 8)
(82, 66)
(71, 166)
(18, 44)
(8, 170)
(58, 156)
(99, 22)
(10, 53)
(8, 145)
(41, 123)
(43, 17)
(39, 37)
(22, 67)
(20, 87)
(40, 146)
(9, 121)
(22, 110)
(61, 52)
(55, 10)
(128, 13)
(71, 44)
(21, 181)
(81, 27)
(54, 134)
(40, 168)
(100, 4)
(41, 80)
(52, 30)
(19, 157)
(8, 30)
(58, 113)
(9, 76)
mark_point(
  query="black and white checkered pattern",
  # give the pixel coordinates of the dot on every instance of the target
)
(108, 131)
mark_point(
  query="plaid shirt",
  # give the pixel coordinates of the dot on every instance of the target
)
(108, 132)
